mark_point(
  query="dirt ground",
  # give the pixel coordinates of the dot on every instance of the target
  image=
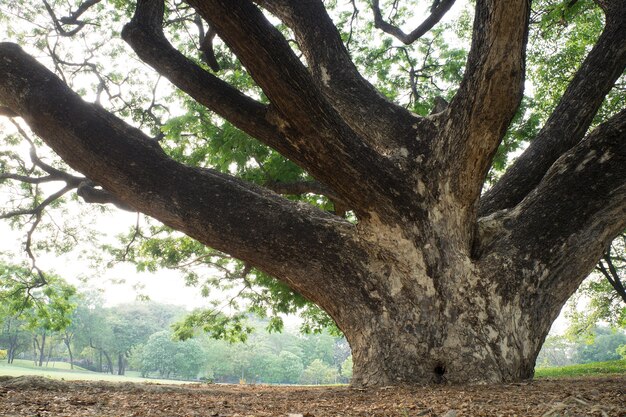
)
(36, 396)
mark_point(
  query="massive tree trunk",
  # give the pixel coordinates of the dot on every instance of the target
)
(433, 283)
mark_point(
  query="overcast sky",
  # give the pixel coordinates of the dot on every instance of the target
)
(165, 286)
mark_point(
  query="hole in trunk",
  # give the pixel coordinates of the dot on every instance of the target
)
(440, 370)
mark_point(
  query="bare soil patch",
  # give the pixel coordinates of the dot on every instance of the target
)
(37, 396)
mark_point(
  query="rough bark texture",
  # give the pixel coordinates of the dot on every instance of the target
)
(437, 292)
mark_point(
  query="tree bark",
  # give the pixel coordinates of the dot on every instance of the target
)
(432, 284)
(50, 346)
(12, 348)
(570, 120)
(121, 364)
(109, 361)
(39, 348)
(68, 344)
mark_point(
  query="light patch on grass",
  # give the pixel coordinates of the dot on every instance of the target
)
(64, 373)
(51, 365)
(587, 369)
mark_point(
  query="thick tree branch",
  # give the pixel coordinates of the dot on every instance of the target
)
(571, 118)
(610, 273)
(307, 129)
(206, 44)
(437, 11)
(576, 211)
(90, 194)
(5, 111)
(303, 187)
(491, 90)
(268, 57)
(304, 246)
(145, 35)
(386, 125)
(72, 19)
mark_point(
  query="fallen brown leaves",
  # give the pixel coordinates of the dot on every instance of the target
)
(36, 396)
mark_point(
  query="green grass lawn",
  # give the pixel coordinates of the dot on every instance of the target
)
(61, 370)
(61, 366)
(588, 369)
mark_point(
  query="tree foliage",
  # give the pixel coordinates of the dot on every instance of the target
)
(183, 359)
(47, 305)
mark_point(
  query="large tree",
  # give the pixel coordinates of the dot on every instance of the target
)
(430, 278)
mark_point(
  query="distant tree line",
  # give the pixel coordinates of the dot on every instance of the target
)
(138, 338)
(53, 322)
(599, 344)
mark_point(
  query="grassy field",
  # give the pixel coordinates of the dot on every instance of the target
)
(60, 366)
(61, 370)
(588, 369)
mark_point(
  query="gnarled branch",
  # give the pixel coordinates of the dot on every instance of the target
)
(437, 11)
(490, 92)
(206, 44)
(84, 187)
(384, 124)
(72, 19)
(280, 237)
(90, 194)
(570, 120)
(573, 214)
(299, 123)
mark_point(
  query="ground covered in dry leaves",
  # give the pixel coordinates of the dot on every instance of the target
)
(36, 396)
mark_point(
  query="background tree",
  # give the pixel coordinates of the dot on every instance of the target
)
(319, 373)
(93, 333)
(133, 324)
(14, 335)
(601, 347)
(169, 358)
(346, 368)
(217, 363)
(44, 303)
(444, 281)
(158, 354)
(556, 351)
(189, 359)
(290, 366)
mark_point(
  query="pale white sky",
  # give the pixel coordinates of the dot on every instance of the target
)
(164, 286)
